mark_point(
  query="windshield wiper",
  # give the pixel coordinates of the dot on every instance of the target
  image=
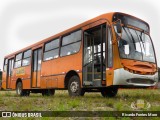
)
(140, 41)
(131, 37)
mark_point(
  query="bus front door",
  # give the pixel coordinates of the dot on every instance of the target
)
(36, 67)
(9, 73)
(94, 56)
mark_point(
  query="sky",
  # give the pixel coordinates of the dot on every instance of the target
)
(24, 22)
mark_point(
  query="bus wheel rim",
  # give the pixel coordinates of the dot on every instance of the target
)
(19, 89)
(74, 86)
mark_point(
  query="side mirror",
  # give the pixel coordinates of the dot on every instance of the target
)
(118, 26)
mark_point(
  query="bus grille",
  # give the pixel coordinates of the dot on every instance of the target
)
(140, 81)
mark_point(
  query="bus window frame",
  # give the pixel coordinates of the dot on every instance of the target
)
(18, 60)
(71, 42)
(26, 58)
(5, 64)
(111, 38)
(43, 51)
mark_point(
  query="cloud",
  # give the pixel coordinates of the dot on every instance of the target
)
(25, 22)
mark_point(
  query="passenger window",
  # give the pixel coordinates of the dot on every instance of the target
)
(5, 65)
(19, 56)
(18, 60)
(73, 37)
(26, 58)
(70, 49)
(71, 43)
(51, 50)
(52, 45)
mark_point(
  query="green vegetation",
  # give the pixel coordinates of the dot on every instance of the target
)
(9, 101)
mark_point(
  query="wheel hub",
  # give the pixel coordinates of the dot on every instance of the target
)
(74, 86)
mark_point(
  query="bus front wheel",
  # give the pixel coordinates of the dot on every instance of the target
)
(74, 87)
(109, 92)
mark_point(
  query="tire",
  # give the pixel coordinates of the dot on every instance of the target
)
(74, 87)
(48, 92)
(20, 91)
(82, 92)
(27, 93)
(109, 92)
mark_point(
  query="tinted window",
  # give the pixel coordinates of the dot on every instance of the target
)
(19, 56)
(71, 43)
(26, 61)
(6, 61)
(26, 58)
(39, 59)
(17, 64)
(5, 65)
(70, 49)
(5, 68)
(35, 60)
(52, 45)
(51, 50)
(73, 37)
(27, 54)
(18, 60)
(127, 20)
(51, 54)
(110, 59)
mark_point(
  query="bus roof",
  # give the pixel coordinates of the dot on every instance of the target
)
(103, 16)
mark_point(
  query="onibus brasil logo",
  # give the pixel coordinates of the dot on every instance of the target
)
(140, 105)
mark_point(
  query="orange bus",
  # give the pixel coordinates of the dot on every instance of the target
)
(111, 51)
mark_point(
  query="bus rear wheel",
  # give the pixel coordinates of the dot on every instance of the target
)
(74, 87)
(109, 92)
(20, 91)
(48, 92)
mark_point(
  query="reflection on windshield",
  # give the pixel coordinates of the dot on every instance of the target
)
(136, 45)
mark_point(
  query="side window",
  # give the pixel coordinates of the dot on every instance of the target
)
(110, 51)
(26, 58)
(51, 50)
(5, 65)
(18, 60)
(71, 43)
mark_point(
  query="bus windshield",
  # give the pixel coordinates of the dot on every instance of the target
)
(136, 45)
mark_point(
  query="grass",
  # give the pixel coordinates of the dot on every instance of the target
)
(61, 101)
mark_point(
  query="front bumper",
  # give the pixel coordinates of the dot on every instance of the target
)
(125, 78)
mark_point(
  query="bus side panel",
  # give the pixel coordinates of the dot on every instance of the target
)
(26, 84)
(49, 82)
(61, 81)
(60, 67)
(4, 80)
(23, 73)
(34, 76)
(13, 84)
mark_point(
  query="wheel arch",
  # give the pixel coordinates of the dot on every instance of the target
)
(19, 80)
(68, 76)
